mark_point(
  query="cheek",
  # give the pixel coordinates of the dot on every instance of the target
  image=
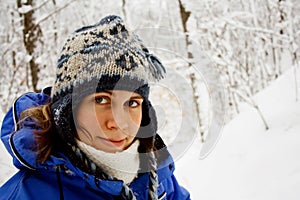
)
(88, 119)
(136, 118)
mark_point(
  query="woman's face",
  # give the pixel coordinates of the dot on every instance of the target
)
(110, 120)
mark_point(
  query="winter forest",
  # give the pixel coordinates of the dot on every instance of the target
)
(219, 54)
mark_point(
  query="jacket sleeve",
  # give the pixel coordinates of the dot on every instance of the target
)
(174, 191)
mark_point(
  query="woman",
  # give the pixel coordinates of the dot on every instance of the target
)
(93, 135)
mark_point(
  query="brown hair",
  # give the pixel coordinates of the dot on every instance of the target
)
(44, 134)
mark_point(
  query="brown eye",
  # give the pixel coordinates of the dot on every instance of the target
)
(101, 100)
(132, 103)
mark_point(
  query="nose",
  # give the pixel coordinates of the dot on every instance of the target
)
(117, 119)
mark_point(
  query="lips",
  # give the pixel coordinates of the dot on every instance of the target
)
(117, 140)
(114, 142)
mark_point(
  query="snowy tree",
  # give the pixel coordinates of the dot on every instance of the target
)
(249, 42)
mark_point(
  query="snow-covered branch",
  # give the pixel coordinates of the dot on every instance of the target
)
(28, 8)
(255, 29)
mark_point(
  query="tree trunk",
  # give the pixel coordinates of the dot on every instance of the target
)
(184, 18)
(31, 35)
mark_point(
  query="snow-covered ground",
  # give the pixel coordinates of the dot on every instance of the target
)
(248, 163)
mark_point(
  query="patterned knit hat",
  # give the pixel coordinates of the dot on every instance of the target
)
(106, 55)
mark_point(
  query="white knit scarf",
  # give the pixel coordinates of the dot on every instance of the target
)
(121, 165)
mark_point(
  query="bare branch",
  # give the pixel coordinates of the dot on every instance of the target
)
(40, 6)
(252, 103)
(54, 12)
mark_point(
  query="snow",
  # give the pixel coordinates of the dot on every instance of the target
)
(25, 9)
(7, 168)
(248, 162)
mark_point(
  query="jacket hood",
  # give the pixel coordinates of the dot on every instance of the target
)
(20, 142)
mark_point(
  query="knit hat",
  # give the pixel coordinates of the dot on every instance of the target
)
(104, 56)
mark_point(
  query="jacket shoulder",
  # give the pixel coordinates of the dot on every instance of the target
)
(168, 185)
(10, 189)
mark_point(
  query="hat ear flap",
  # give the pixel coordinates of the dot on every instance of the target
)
(62, 113)
(148, 128)
(149, 120)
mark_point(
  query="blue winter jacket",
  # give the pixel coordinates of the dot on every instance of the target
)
(57, 177)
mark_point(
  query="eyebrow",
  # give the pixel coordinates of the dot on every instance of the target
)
(136, 97)
(107, 91)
